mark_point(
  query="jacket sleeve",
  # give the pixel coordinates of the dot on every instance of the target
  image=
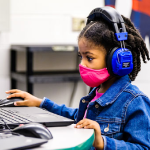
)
(59, 109)
(136, 129)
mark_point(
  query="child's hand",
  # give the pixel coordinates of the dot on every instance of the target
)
(29, 100)
(90, 124)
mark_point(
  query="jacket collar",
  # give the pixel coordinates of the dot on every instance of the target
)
(113, 92)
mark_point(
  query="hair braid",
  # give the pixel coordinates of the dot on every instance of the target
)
(138, 60)
(135, 32)
(102, 34)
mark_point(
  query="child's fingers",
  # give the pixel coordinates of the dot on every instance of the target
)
(78, 125)
(83, 120)
(15, 95)
(85, 123)
(20, 103)
(12, 91)
(89, 126)
(82, 123)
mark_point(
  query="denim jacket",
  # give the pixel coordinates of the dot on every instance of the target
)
(123, 113)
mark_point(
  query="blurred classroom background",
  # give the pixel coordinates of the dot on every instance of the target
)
(53, 22)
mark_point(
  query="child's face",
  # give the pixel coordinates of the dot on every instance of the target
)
(91, 56)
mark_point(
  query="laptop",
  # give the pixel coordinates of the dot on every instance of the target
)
(10, 141)
(14, 116)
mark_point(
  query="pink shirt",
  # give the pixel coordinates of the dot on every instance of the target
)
(98, 95)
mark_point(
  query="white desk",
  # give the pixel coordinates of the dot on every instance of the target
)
(69, 138)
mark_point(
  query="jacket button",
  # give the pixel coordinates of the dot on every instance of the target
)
(106, 129)
(83, 101)
(96, 106)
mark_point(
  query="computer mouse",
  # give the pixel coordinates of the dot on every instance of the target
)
(36, 130)
(9, 102)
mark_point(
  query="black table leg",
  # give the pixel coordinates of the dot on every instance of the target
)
(29, 71)
(13, 68)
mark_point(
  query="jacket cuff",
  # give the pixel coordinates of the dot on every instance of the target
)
(46, 103)
(109, 143)
(42, 102)
(104, 139)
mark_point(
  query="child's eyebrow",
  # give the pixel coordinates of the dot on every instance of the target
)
(84, 53)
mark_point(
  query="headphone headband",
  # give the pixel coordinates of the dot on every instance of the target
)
(112, 17)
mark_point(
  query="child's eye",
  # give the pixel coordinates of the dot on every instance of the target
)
(89, 58)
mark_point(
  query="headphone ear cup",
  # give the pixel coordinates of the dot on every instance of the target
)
(109, 60)
(119, 62)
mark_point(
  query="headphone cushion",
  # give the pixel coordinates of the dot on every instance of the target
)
(109, 60)
(119, 62)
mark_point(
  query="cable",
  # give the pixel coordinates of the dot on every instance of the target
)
(6, 125)
(9, 130)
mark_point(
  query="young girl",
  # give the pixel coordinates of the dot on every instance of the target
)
(117, 110)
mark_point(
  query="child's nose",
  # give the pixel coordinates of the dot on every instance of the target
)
(83, 64)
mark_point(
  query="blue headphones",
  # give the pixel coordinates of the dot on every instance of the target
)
(119, 61)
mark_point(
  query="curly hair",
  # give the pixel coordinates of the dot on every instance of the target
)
(100, 33)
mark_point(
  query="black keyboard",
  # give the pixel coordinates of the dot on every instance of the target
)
(12, 117)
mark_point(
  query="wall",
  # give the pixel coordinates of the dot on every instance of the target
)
(4, 46)
(42, 22)
(50, 22)
(4, 63)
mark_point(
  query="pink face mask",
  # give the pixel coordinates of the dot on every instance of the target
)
(92, 77)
